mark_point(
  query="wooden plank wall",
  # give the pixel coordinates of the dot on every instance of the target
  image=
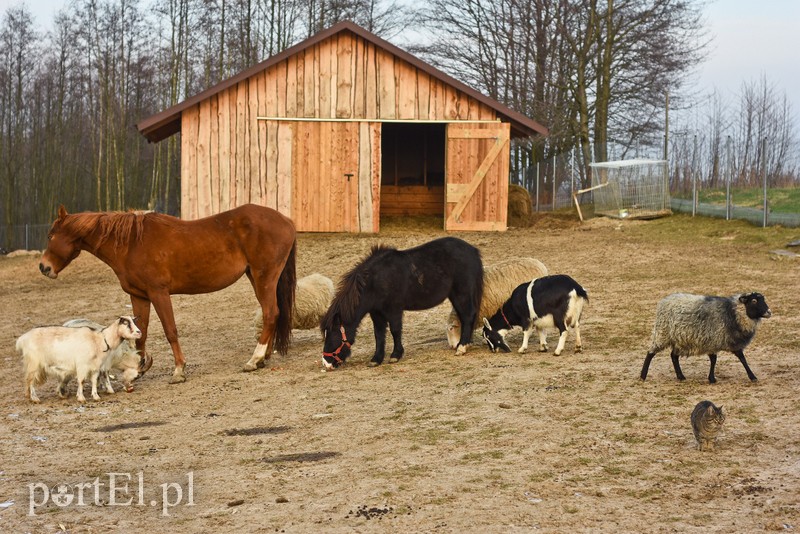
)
(230, 158)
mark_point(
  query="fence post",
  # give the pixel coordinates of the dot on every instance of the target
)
(729, 176)
(694, 178)
(537, 187)
(554, 184)
(27, 247)
(764, 172)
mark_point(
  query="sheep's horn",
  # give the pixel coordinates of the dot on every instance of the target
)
(145, 362)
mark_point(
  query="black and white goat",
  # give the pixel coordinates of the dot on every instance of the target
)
(549, 302)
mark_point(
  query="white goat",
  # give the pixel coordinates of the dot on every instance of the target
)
(65, 352)
(499, 281)
(124, 358)
(313, 296)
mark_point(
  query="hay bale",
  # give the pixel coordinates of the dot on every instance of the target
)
(519, 206)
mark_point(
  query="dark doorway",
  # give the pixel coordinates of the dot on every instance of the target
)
(412, 168)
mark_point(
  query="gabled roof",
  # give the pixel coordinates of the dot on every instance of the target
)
(168, 122)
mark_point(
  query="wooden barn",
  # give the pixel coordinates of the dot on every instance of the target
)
(342, 129)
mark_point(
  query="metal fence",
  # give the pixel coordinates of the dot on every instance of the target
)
(552, 183)
(720, 211)
(24, 237)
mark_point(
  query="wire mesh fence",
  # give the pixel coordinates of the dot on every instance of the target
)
(553, 184)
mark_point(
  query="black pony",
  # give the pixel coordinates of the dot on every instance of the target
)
(389, 281)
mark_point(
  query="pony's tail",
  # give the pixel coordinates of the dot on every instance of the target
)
(285, 296)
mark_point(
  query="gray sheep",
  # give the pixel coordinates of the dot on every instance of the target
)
(700, 324)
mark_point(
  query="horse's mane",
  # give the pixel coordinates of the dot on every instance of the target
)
(120, 226)
(348, 291)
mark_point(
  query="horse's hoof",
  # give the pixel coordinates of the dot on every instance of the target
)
(521, 350)
(578, 349)
(177, 379)
(249, 367)
(461, 349)
(394, 360)
(373, 364)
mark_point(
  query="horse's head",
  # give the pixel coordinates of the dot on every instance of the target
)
(336, 348)
(62, 247)
(494, 338)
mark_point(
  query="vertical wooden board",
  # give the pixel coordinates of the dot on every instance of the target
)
(486, 113)
(452, 104)
(235, 163)
(268, 101)
(351, 150)
(240, 153)
(190, 120)
(387, 106)
(285, 131)
(423, 95)
(326, 58)
(271, 155)
(290, 104)
(503, 177)
(204, 160)
(300, 176)
(214, 153)
(317, 78)
(365, 212)
(371, 83)
(281, 93)
(375, 149)
(473, 109)
(344, 76)
(359, 78)
(406, 90)
(369, 177)
(322, 176)
(223, 117)
(437, 100)
(300, 84)
(257, 186)
(309, 82)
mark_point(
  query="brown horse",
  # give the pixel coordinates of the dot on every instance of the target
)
(155, 256)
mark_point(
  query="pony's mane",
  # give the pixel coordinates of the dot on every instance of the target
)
(120, 226)
(348, 291)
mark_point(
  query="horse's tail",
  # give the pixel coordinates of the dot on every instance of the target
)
(285, 297)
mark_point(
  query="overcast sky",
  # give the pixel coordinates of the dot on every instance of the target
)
(751, 38)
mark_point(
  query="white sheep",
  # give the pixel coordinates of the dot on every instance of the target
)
(702, 324)
(65, 352)
(499, 281)
(124, 358)
(313, 296)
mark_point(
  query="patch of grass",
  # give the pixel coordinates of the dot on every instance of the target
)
(481, 456)
(780, 199)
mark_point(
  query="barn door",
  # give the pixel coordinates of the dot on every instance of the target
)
(476, 176)
(332, 177)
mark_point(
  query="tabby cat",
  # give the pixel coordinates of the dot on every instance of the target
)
(707, 422)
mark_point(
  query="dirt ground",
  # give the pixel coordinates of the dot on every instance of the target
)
(437, 442)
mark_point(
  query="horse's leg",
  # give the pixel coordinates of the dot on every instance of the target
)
(396, 328)
(379, 324)
(141, 310)
(467, 315)
(265, 288)
(163, 305)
